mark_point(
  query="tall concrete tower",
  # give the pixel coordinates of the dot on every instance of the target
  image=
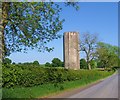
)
(71, 50)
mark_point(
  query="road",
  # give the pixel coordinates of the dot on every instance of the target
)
(108, 88)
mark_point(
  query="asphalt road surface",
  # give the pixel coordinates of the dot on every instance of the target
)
(108, 88)
(105, 89)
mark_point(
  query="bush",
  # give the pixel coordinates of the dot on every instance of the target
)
(48, 64)
(7, 61)
(56, 62)
(83, 64)
(93, 64)
(35, 63)
(25, 76)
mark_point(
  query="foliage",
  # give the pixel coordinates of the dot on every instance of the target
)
(7, 61)
(35, 63)
(107, 55)
(62, 64)
(56, 62)
(26, 63)
(47, 64)
(13, 63)
(25, 76)
(88, 43)
(93, 64)
(46, 89)
(30, 25)
(83, 64)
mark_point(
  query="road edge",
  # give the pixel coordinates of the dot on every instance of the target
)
(66, 93)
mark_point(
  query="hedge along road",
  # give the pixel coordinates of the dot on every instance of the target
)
(108, 88)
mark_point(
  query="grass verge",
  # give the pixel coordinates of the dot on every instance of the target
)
(47, 89)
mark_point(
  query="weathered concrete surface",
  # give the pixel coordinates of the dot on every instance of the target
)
(71, 50)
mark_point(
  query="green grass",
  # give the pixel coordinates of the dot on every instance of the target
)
(47, 89)
(39, 91)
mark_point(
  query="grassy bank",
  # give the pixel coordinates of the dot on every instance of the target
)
(81, 78)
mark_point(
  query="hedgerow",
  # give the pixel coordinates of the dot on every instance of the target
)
(28, 76)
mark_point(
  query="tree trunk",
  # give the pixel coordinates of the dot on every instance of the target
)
(4, 11)
(89, 66)
(1, 28)
(88, 61)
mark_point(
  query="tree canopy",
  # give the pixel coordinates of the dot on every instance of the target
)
(88, 44)
(56, 62)
(83, 64)
(36, 62)
(47, 64)
(107, 55)
(30, 25)
(7, 61)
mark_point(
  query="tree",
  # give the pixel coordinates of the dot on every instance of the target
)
(62, 64)
(36, 63)
(13, 63)
(107, 55)
(7, 61)
(29, 25)
(83, 64)
(93, 64)
(88, 44)
(56, 62)
(48, 64)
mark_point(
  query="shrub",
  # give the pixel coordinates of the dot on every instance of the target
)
(56, 62)
(7, 61)
(48, 64)
(83, 64)
(25, 76)
(93, 64)
(35, 63)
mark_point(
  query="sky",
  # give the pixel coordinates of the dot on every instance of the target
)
(93, 17)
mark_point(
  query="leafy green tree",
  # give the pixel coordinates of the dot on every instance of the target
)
(107, 55)
(99, 64)
(26, 25)
(56, 62)
(83, 64)
(47, 64)
(88, 44)
(7, 61)
(93, 64)
(36, 63)
(14, 63)
(19, 63)
(62, 64)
